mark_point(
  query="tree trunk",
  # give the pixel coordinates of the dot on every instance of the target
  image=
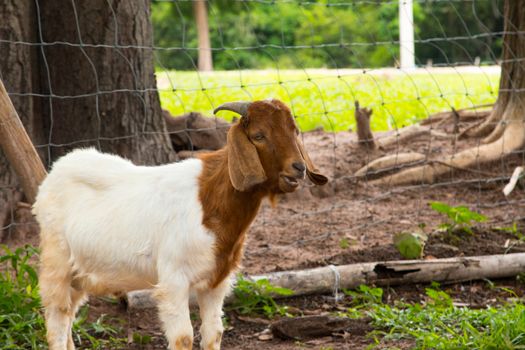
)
(201, 19)
(511, 69)
(18, 63)
(102, 84)
(93, 84)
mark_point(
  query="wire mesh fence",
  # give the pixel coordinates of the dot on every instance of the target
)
(319, 57)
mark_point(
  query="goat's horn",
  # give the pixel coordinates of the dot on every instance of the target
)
(237, 107)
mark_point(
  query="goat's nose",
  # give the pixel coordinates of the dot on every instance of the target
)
(299, 166)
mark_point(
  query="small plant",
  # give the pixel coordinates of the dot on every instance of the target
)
(410, 244)
(344, 243)
(256, 297)
(365, 295)
(22, 323)
(363, 298)
(98, 334)
(460, 217)
(513, 230)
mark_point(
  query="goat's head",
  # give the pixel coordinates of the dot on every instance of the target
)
(264, 148)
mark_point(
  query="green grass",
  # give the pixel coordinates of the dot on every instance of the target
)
(438, 324)
(321, 98)
(21, 315)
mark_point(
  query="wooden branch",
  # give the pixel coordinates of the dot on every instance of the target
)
(323, 279)
(18, 148)
(364, 133)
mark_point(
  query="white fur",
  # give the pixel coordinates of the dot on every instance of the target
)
(122, 227)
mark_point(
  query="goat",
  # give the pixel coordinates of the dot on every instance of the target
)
(109, 226)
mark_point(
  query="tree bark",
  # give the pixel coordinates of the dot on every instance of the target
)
(102, 83)
(203, 31)
(18, 65)
(511, 66)
(91, 84)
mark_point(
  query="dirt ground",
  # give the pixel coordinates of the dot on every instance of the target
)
(307, 228)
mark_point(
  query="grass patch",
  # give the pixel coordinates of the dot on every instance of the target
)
(256, 297)
(22, 323)
(438, 324)
(325, 98)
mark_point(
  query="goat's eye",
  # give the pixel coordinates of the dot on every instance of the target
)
(258, 137)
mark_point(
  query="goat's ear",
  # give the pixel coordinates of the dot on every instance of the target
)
(311, 171)
(244, 166)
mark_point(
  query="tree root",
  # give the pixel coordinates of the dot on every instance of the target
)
(512, 138)
(464, 114)
(409, 133)
(391, 162)
(489, 125)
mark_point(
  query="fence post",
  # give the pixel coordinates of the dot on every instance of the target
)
(406, 34)
(18, 148)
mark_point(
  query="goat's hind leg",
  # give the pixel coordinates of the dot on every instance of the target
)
(77, 299)
(210, 305)
(56, 292)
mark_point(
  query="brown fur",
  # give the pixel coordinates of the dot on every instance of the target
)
(235, 179)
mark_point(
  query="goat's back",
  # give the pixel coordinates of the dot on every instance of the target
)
(119, 219)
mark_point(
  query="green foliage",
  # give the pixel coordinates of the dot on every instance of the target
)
(98, 334)
(363, 298)
(410, 244)
(513, 230)
(326, 98)
(438, 324)
(21, 323)
(256, 297)
(21, 319)
(365, 295)
(317, 34)
(344, 243)
(460, 217)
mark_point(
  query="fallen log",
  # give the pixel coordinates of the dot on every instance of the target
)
(387, 273)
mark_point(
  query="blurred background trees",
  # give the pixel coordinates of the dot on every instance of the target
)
(324, 34)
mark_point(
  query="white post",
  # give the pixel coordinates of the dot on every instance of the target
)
(406, 34)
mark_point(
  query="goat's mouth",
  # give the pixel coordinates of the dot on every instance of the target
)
(289, 183)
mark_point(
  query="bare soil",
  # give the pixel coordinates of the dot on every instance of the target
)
(344, 222)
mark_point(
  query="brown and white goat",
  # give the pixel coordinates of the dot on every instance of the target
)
(109, 226)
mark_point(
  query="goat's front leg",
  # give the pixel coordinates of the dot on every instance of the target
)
(210, 304)
(172, 299)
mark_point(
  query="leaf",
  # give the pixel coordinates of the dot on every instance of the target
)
(410, 244)
(440, 207)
